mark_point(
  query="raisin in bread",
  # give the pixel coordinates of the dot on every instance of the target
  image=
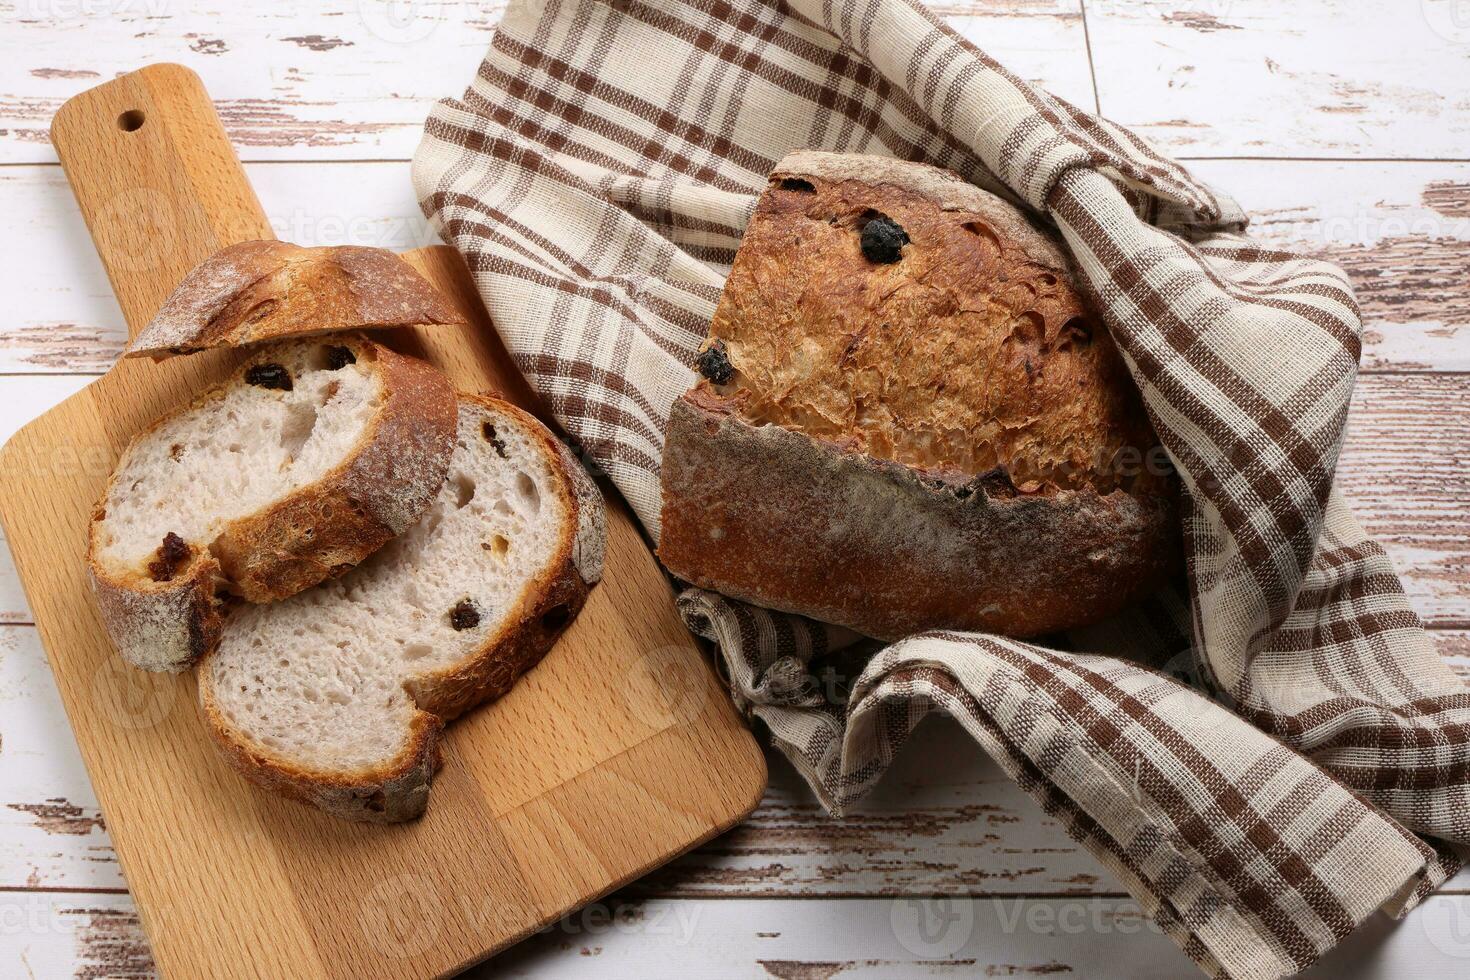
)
(310, 457)
(909, 418)
(269, 290)
(337, 697)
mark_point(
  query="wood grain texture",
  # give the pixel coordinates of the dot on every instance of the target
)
(1403, 468)
(1330, 78)
(617, 753)
(353, 79)
(945, 820)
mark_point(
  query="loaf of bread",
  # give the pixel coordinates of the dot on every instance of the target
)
(311, 456)
(270, 290)
(337, 697)
(910, 419)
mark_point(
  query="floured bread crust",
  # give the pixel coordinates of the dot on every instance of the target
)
(932, 430)
(259, 291)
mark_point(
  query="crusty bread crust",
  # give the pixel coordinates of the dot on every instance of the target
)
(398, 790)
(260, 291)
(887, 550)
(936, 434)
(316, 533)
(390, 793)
(161, 626)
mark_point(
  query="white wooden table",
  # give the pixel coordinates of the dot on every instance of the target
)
(1343, 125)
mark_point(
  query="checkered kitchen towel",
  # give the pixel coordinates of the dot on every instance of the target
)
(597, 175)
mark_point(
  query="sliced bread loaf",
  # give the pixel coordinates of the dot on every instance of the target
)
(337, 697)
(269, 290)
(307, 460)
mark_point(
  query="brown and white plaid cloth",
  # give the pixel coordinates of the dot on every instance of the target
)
(598, 174)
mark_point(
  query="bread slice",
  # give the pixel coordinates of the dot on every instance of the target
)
(337, 697)
(309, 458)
(269, 290)
(909, 418)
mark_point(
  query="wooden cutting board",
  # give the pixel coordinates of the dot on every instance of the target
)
(617, 753)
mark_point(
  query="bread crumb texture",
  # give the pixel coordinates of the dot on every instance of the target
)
(322, 682)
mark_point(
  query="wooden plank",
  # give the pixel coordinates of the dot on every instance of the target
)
(1314, 78)
(945, 820)
(347, 79)
(65, 318)
(1043, 41)
(340, 79)
(1403, 471)
(55, 935)
(25, 398)
(1402, 230)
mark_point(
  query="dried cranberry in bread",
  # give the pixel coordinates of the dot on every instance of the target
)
(909, 418)
(307, 459)
(260, 291)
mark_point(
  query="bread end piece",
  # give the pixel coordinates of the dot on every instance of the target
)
(910, 418)
(259, 291)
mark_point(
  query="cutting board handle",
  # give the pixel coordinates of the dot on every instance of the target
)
(158, 183)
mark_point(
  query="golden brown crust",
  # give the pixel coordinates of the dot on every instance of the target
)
(550, 603)
(260, 291)
(948, 439)
(316, 533)
(398, 790)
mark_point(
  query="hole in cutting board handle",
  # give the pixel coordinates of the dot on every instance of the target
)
(130, 121)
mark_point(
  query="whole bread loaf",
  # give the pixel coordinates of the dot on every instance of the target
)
(910, 419)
